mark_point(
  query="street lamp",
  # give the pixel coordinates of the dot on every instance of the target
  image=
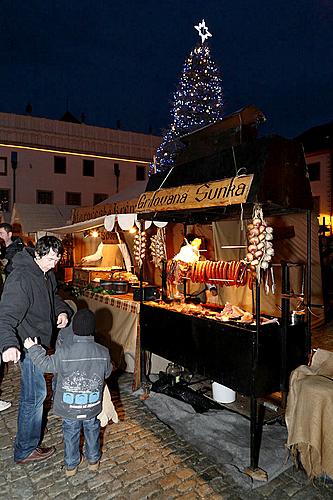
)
(13, 160)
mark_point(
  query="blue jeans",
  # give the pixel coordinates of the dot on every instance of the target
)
(30, 412)
(72, 430)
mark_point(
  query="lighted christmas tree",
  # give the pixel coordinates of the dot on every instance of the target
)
(197, 102)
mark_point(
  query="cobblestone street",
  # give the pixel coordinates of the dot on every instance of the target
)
(142, 458)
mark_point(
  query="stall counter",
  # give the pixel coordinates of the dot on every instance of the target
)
(118, 328)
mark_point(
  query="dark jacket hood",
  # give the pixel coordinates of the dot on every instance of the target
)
(24, 261)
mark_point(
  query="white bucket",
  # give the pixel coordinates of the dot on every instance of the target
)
(223, 394)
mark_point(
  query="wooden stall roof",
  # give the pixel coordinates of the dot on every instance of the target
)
(280, 179)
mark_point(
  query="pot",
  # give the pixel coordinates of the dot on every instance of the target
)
(149, 292)
(297, 317)
(117, 287)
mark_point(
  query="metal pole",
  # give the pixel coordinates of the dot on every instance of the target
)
(308, 281)
(13, 160)
(254, 452)
(285, 311)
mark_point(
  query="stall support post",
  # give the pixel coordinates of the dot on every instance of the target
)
(142, 351)
(254, 404)
(285, 311)
(308, 281)
(256, 417)
(164, 281)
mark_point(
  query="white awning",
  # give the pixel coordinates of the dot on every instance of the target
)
(79, 226)
(99, 221)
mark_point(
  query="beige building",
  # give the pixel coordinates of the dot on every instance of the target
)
(65, 162)
(318, 149)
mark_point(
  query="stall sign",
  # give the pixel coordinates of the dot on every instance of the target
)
(86, 213)
(109, 237)
(210, 194)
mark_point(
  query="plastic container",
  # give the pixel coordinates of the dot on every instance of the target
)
(222, 394)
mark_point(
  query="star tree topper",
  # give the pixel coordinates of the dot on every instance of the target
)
(203, 31)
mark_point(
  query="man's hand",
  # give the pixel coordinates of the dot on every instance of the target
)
(62, 320)
(11, 354)
(29, 342)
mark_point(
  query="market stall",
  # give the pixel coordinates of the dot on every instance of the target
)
(244, 347)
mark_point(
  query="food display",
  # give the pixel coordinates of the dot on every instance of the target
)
(260, 238)
(140, 242)
(178, 268)
(158, 247)
(82, 276)
(229, 313)
(223, 273)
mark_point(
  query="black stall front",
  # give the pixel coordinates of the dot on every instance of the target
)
(223, 351)
(256, 359)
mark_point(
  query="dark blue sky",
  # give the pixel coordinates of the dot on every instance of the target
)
(122, 60)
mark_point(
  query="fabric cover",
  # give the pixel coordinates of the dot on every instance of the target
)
(309, 415)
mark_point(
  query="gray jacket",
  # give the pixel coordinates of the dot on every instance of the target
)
(81, 367)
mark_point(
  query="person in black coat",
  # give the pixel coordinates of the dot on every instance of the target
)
(12, 245)
(31, 307)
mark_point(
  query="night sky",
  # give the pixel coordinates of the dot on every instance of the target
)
(122, 60)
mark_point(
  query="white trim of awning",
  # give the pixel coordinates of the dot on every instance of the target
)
(92, 223)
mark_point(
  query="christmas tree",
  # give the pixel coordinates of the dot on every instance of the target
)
(197, 102)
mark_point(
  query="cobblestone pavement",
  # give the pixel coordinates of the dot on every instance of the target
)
(142, 458)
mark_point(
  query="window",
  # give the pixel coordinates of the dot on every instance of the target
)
(73, 198)
(99, 197)
(140, 173)
(44, 197)
(59, 165)
(4, 200)
(314, 171)
(3, 165)
(88, 168)
(316, 205)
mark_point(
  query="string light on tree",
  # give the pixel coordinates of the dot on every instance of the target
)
(197, 101)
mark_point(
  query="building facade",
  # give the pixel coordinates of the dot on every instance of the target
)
(318, 150)
(58, 162)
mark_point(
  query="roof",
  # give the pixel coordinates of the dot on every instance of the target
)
(280, 179)
(132, 191)
(236, 128)
(249, 115)
(317, 138)
(33, 218)
(69, 117)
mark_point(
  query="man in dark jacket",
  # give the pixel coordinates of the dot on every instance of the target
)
(31, 307)
(12, 246)
(81, 367)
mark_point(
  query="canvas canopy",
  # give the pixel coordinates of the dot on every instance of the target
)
(34, 218)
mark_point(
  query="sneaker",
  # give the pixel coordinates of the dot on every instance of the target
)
(93, 467)
(4, 405)
(71, 472)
